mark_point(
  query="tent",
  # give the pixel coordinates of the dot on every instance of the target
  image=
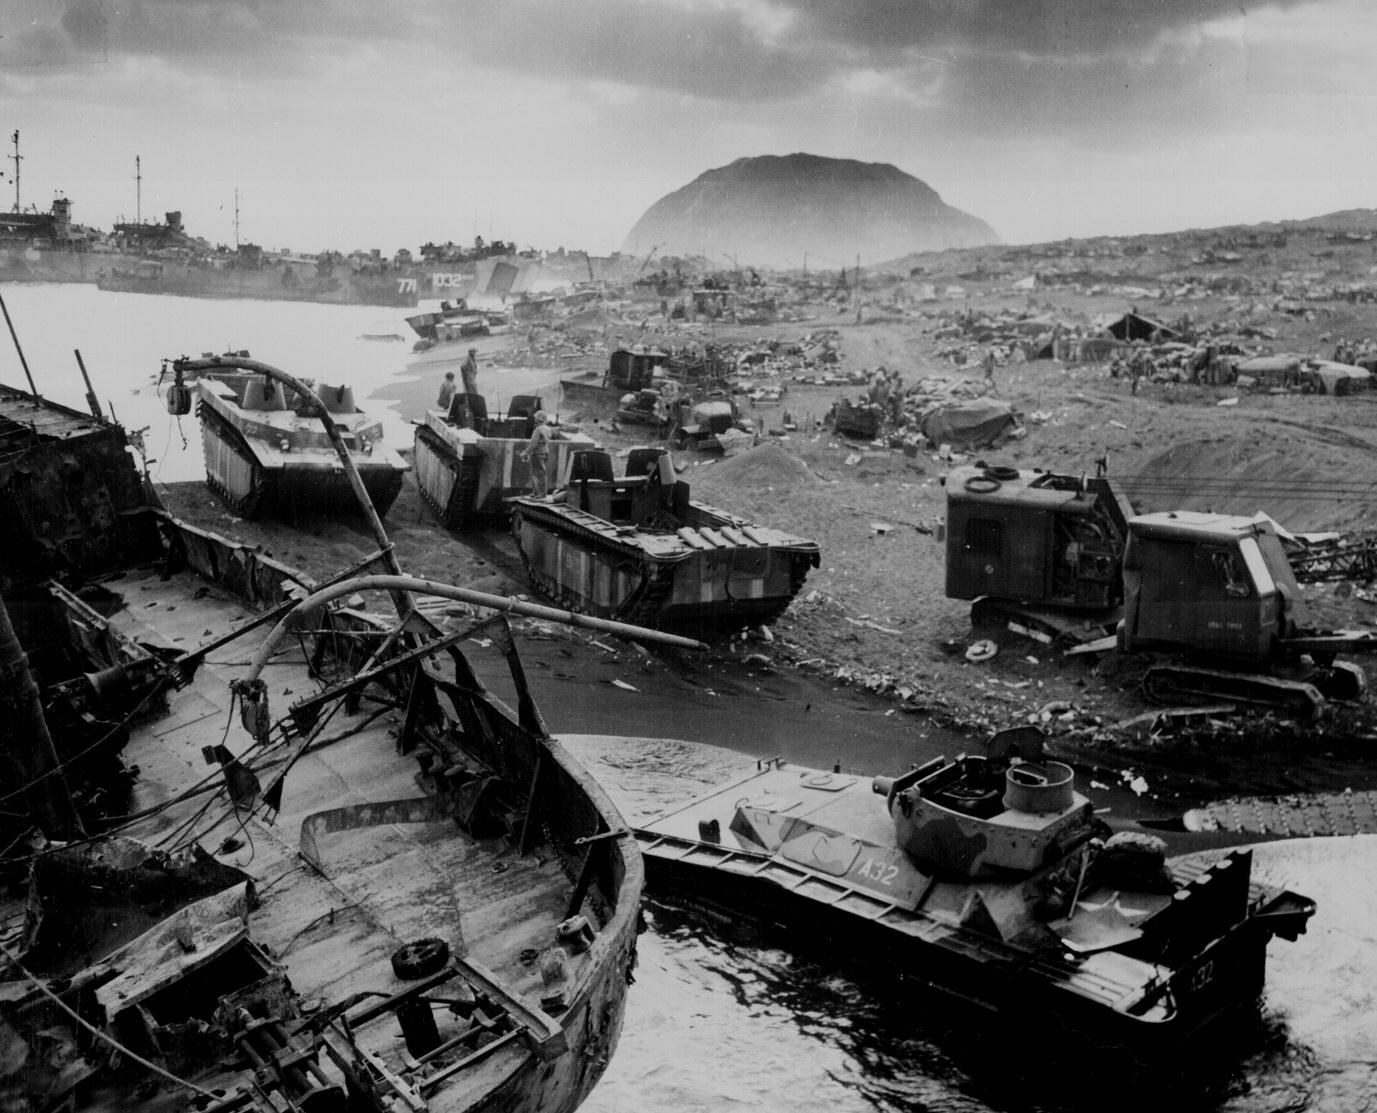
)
(1134, 326)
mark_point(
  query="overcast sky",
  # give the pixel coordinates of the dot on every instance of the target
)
(387, 123)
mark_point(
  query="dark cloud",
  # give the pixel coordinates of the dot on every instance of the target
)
(1040, 27)
(712, 53)
(246, 33)
(1014, 63)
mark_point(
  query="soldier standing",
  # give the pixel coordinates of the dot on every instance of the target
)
(448, 389)
(538, 454)
(469, 369)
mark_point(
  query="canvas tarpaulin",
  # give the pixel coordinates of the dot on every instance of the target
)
(968, 425)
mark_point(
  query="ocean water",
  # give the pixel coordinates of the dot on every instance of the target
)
(124, 340)
(714, 1022)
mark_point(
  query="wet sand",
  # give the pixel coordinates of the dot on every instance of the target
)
(414, 390)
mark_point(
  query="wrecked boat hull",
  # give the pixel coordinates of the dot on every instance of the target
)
(329, 928)
(438, 912)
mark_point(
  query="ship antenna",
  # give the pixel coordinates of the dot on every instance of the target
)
(16, 158)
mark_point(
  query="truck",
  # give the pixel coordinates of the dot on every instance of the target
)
(638, 368)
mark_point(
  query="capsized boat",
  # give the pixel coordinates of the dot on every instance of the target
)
(468, 460)
(401, 894)
(265, 447)
(989, 878)
(639, 549)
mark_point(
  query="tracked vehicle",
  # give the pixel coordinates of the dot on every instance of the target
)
(1060, 556)
(468, 461)
(266, 450)
(990, 880)
(640, 549)
(1220, 589)
(635, 369)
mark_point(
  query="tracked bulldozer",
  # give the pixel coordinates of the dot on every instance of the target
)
(1063, 557)
(1220, 589)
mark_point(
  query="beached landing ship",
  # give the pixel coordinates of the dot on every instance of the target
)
(989, 878)
(468, 461)
(265, 448)
(638, 549)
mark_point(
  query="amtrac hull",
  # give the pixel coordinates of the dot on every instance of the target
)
(1144, 975)
(266, 460)
(465, 478)
(639, 550)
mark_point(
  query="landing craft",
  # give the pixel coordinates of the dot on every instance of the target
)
(468, 461)
(640, 549)
(264, 445)
(990, 880)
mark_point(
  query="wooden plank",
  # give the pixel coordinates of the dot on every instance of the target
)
(692, 537)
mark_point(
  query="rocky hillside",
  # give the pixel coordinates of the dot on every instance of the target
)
(771, 209)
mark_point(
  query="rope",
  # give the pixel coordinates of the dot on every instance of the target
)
(104, 1037)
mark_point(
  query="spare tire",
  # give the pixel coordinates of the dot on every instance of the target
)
(420, 959)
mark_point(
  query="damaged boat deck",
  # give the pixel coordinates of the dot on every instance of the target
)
(416, 877)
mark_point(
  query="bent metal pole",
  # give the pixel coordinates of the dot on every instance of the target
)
(213, 363)
(462, 595)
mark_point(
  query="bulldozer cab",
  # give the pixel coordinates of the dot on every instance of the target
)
(634, 370)
(1035, 537)
(1210, 583)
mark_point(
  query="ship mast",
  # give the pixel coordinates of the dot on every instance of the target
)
(236, 218)
(16, 158)
(138, 191)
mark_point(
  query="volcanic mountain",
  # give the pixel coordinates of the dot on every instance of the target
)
(771, 209)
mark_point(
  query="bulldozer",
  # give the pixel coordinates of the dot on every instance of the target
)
(1220, 589)
(1062, 556)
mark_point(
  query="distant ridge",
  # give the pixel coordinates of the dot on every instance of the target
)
(771, 209)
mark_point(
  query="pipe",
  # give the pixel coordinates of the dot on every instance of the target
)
(91, 399)
(15, 337)
(462, 595)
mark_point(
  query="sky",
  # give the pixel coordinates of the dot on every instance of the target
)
(346, 124)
